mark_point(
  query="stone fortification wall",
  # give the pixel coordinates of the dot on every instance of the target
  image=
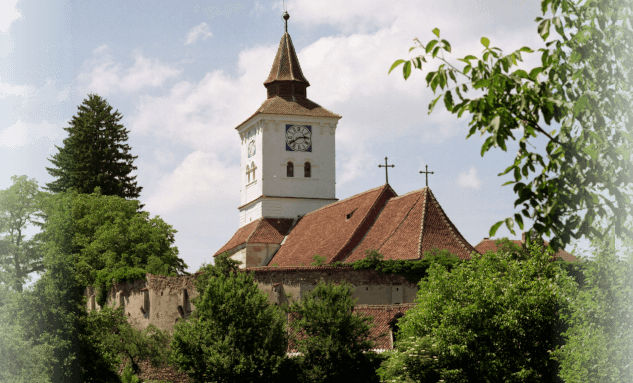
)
(163, 301)
(371, 287)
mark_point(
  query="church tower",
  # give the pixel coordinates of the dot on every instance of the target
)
(287, 146)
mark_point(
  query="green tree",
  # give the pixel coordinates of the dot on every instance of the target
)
(111, 240)
(19, 206)
(223, 264)
(492, 319)
(334, 341)
(95, 153)
(110, 331)
(578, 100)
(235, 334)
(20, 360)
(51, 321)
(599, 341)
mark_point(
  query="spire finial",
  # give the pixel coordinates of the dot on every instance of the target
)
(286, 16)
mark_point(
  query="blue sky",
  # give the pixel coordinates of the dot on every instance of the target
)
(184, 74)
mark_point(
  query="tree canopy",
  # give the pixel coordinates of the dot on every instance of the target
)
(334, 341)
(95, 153)
(49, 318)
(579, 99)
(20, 204)
(235, 334)
(109, 239)
(491, 319)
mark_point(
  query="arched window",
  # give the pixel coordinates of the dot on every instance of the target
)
(290, 169)
(307, 170)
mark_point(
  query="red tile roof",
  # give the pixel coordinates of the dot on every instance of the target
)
(264, 230)
(487, 245)
(384, 319)
(329, 232)
(300, 106)
(410, 225)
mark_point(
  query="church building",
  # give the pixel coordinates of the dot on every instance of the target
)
(292, 228)
(289, 212)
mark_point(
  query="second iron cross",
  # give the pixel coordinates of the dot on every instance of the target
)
(386, 166)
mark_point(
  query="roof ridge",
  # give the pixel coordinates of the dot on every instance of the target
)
(425, 190)
(401, 222)
(367, 232)
(452, 228)
(362, 221)
(348, 198)
(254, 230)
(406, 194)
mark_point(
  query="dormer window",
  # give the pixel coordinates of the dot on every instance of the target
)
(290, 169)
(349, 216)
(307, 170)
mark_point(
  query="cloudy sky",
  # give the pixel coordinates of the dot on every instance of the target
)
(184, 74)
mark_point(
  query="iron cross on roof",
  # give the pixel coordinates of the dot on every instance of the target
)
(386, 166)
(427, 172)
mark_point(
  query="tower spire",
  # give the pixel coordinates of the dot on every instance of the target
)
(286, 78)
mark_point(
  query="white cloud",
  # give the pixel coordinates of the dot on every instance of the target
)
(348, 74)
(199, 31)
(202, 115)
(8, 14)
(105, 76)
(20, 134)
(16, 90)
(469, 179)
(200, 179)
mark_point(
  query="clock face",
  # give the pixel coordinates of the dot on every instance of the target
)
(298, 138)
(251, 148)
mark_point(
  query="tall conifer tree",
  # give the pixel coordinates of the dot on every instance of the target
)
(95, 153)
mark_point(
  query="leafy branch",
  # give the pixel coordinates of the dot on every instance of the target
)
(581, 91)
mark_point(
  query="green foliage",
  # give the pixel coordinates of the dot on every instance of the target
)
(413, 271)
(20, 360)
(493, 318)
(19, 205)
(110, 331)
(334, 341)
(414, 360)
(318, 260)
(52, 319)
(599, 341)
(95, 154)
(127, 376)
(110, 239)
(223, 265)
(106, 279)
(582, 88)
(235, 335)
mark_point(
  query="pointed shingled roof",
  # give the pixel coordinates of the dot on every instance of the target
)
(411, 225)
(286, 64)
(286, 86)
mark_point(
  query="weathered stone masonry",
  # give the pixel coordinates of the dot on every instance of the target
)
(163, 301)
